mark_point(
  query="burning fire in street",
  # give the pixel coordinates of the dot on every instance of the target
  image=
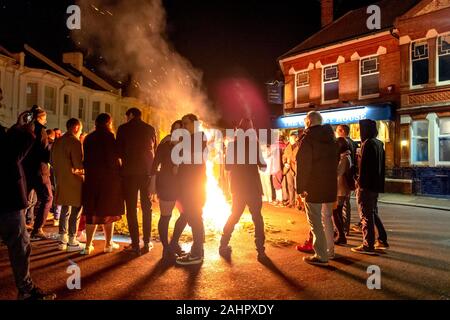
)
(216, 210)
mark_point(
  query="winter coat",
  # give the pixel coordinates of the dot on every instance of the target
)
(16, 144)
(245, 179)
(344, 166)
(318, 156)
(136, 144)
(372, 162)
(66, 155)
(36, 163)
(102, 190)
(163, 168)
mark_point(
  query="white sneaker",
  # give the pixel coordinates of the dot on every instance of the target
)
(113, 246)
(74, 245)
(87, 250)
(64, 238)
(62, 246)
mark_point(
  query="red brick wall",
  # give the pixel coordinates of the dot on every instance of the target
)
(349, 80)
(389, 71)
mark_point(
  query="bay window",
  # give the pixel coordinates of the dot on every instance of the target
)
(444, 139)
(419, 141)
(302, 88)
(330, 82)
(369, 76)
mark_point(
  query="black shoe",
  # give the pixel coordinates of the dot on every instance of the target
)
(225, 251)
(147, 248)
(176, 249)
(341, 241)
(36, 294)
(38, 235)
(315, 261)
(168, 255)
(364, 250)
(189, 259)
(381, 245)
(132, 250)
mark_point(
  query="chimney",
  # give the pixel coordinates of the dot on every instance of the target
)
(327, 13)
(74, 58)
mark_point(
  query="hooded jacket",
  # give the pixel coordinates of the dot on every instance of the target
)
(371, 167)
(317, 161)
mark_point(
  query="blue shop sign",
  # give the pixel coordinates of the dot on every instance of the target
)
(341, 116)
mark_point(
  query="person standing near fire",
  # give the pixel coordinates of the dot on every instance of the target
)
(290, 167)
(246, 188)
(136, 144)
(166, 188)
(192, 191)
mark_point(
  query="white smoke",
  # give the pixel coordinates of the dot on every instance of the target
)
(131, 38)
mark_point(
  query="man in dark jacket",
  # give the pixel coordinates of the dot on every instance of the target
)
(37, 170)
(317, 161)
(136, 142)
(370, 183)
(13, 200)
(246, 186)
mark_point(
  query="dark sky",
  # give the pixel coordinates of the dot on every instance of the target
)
(221, 38)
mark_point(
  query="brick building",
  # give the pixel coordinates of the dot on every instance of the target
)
(351, 72)
(424, 115)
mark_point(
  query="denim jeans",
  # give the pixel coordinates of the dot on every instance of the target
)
(368, 211)
(43, 188)
(347, 214)
(254, 204)
(68, 220)
(14, 234)
(321, 223)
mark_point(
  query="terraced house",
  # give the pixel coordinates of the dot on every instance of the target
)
(395, 73)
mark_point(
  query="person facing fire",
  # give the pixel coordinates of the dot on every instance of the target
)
(166, 187)
(246, 187)
(192, 193)
(136, 144)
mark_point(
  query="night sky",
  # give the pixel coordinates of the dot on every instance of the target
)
(221, 38)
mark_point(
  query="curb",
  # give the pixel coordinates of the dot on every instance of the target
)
(417, 205)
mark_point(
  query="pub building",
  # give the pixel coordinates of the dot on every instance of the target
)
(350, 72)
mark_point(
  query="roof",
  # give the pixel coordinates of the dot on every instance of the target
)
(353, 25)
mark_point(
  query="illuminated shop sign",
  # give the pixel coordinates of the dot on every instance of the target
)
(335, 117)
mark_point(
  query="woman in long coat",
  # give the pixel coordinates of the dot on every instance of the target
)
(103, 201)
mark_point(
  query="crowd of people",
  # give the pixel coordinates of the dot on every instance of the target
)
(102, 176)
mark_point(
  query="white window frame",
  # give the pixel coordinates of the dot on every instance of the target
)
(438, 135)
(374, 95)
(92, 109)
(63, 105)
(440, 83)
(26, 92)
(85, 108)
(55, 97)
(420, 163)
(302, 86)
(418, 86)
(323, 83)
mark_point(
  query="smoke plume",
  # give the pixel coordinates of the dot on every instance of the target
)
(129, 37)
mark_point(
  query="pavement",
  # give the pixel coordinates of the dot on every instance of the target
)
(415, 267)
(415, 201)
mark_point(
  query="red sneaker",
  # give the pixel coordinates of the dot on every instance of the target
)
(306, 247)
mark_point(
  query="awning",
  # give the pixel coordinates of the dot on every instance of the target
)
(338, 116)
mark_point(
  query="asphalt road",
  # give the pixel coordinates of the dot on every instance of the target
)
(417, 266)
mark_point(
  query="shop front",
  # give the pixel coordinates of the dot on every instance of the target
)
(382, 114)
